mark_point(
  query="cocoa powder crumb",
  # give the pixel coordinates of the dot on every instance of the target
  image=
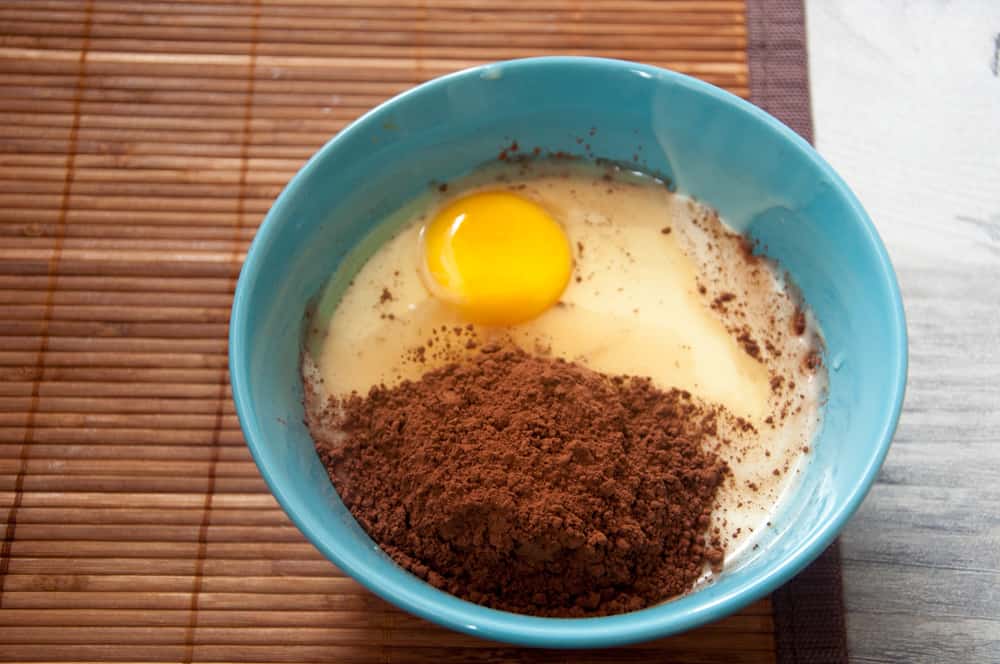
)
(799, 323)
(751, 347)
(719, 303)
(531, 484)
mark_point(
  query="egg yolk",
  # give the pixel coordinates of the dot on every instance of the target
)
(500, 258)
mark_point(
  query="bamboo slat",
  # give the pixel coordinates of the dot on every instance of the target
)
(117, 484)
(141, 143)
(144, 500)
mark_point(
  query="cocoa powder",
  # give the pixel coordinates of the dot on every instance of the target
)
(530, 484)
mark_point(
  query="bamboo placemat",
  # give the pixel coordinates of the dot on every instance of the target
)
(140, 145)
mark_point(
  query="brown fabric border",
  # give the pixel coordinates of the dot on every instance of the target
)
(808, 610)
(809, 625)
(779, 68)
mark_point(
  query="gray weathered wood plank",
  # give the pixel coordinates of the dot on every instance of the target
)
(907, 108)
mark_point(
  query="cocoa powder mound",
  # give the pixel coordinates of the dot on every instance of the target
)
(530, 484)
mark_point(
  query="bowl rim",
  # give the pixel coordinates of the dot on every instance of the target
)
(646, 624)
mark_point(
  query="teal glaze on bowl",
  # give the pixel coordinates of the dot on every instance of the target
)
(762, 178)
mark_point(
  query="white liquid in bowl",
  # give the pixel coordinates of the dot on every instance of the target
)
(660, 288)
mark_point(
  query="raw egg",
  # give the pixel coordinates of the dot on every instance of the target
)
(648, 282)
(499, 257)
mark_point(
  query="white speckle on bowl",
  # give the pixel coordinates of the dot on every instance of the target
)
(492, 74)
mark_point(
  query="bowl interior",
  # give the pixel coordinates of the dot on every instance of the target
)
(762, 179)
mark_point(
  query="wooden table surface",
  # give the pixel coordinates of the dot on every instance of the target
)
(906, 100)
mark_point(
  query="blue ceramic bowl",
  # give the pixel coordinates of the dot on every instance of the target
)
(762, 178)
